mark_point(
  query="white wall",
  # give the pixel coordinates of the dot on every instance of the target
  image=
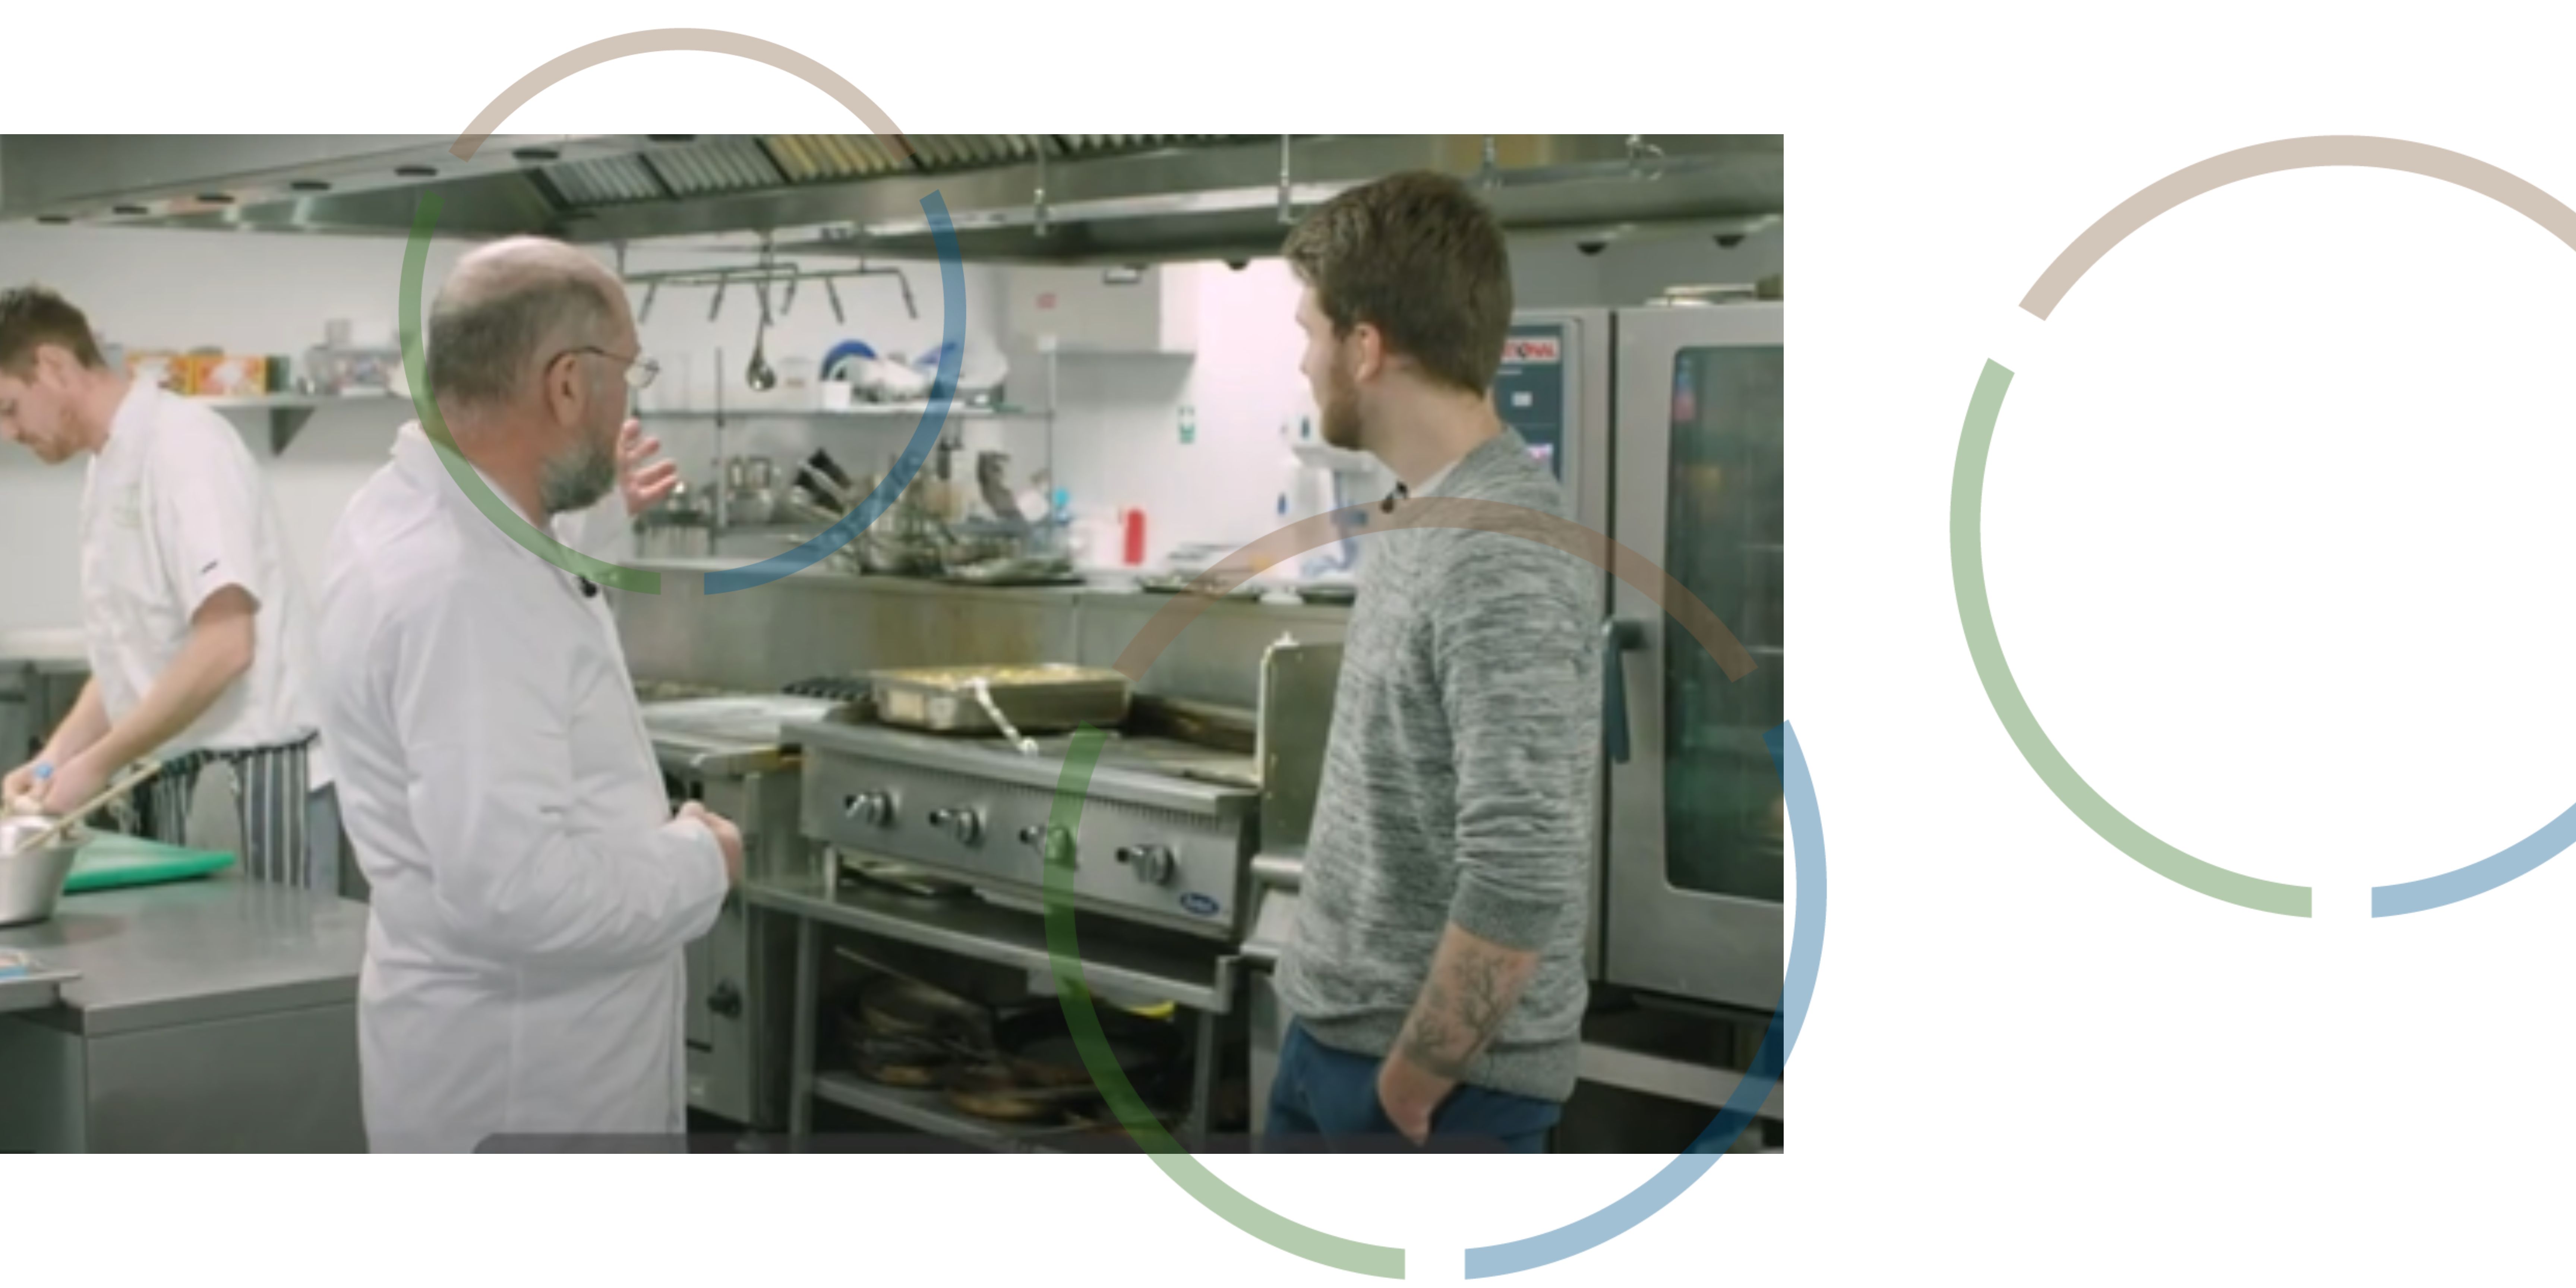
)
(1118, 440)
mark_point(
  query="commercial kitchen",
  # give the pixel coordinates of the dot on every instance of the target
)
(1120, 410)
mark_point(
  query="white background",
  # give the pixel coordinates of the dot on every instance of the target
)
(2278, 529)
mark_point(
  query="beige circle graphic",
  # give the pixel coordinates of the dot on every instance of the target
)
(667, 39)
(2219, 171)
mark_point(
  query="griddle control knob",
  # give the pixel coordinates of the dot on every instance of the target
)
(876, 809)
(1152, 864)
(964, 824)
(1033, 835)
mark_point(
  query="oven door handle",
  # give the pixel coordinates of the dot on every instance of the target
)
(1619, 637)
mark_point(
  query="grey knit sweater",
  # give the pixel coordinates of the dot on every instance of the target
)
(1458, 782)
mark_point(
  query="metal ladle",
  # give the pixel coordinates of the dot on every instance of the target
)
(762, 378)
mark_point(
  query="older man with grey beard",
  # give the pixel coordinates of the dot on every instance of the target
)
(532, 889)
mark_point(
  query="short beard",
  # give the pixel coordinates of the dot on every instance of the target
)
(1341, 414)
(578, 479)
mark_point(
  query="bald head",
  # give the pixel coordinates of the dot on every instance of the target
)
(511, 306)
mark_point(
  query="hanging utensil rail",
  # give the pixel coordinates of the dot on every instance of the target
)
(787, 273)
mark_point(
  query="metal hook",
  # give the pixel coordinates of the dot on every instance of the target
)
(718, 306)
(1287, 208)
(788, 305)
(645, 314)
(835, 296)
(1639, 151)
(1041, 199)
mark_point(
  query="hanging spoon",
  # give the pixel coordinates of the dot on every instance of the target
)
(762, 378)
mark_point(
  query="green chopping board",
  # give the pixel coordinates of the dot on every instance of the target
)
(113, 861)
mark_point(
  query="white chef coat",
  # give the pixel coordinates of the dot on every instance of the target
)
(174, 509)
(532, 891)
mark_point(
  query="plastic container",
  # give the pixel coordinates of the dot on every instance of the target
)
(1132, 523)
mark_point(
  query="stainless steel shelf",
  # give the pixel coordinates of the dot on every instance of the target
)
(929, 1111)
(289, 401)
(1203, 981)
(288, 412)
(870, 412)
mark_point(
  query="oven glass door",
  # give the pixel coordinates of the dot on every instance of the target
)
(1697, 863)
(1722, 541)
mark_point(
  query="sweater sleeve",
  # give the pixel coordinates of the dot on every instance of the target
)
(1513, 627)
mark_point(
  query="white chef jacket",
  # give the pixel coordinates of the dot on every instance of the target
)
(532, 891)
(173, 510)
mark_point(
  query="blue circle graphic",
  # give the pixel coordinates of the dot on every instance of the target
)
(925, 437)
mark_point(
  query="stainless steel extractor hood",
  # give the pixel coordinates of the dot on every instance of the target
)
(1018, 197)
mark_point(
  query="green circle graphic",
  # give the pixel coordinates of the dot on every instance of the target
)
(1976, 617)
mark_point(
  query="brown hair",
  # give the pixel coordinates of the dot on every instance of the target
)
(1420, 258)
(32, 315)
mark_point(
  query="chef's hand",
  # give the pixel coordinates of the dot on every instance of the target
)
(645, 481)
(74, 782)
(728, 837)
(1409, 1093)
(19, 786)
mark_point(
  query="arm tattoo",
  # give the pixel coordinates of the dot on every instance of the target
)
(1472, 989)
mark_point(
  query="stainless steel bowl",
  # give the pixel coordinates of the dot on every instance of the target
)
(31, 881)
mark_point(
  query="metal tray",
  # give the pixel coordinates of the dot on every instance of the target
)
(1048, 697)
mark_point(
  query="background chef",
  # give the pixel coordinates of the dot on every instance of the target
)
(190, 608)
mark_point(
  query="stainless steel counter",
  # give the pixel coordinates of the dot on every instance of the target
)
(729, 736)
(211, 1015)
(195, 951)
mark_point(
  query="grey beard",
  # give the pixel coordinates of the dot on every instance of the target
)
(577, 480)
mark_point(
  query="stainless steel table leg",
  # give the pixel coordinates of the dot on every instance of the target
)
(1202, 1083)
(800, 1102)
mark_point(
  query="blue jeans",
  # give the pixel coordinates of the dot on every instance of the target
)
(1329, 1097)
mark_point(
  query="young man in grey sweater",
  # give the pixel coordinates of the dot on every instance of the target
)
(1436, 976)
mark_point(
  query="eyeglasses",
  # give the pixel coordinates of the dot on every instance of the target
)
(640, 370)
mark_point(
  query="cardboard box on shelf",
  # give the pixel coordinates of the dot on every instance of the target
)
(227, 375)
(168, 370)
